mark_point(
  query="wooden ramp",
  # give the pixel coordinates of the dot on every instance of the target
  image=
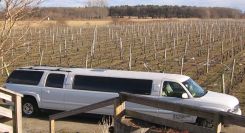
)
(7, 114)
(5, 128)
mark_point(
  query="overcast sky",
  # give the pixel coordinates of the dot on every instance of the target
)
(239, 4)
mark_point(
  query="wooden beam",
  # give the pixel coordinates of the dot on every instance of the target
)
(17, 121)
(9, 92)
(5, 96)
(83, 109)
(217, 124)
(6, 112)
(51, 126)
(228, 118)
(119, 109)
(170, 123)
(219, 116)
(166, 105)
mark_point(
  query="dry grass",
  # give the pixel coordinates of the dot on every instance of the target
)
(89, 22)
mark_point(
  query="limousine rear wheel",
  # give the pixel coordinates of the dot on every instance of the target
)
(29, 107)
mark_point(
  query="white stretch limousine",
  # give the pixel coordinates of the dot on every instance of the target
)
(59, 88)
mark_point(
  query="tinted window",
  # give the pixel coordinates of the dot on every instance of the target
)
(55, 80)
(172, 89)
(25, 77)
(107, 84)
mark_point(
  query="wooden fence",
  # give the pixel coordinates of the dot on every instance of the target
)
(7, 114)
(120, 112)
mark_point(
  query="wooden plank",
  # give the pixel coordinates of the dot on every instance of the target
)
(17, 121)
(12, 93)
(166, 105)
(83, 109)
(224, 117)
(5, 128)
(51, 126)
(169, 123)
(228, 118)
(5, 96)
(6, 112)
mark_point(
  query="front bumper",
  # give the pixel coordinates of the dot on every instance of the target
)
(238, 112)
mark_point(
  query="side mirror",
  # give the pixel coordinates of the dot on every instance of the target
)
(185, 96)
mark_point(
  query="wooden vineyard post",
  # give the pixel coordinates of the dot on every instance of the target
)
(41, 58)
(186, 47)
(86, 62)
(165, 56)
(53, 42)
(145, 45)
(222, 51)
(65, 48)
(207, 64)
(12, 48)
(182, 65)
(174, 47)
(60, 50)
(130, 57)
(241, 43)
(155, 50)
(121, 49)
(232, 49)
(2, 65)
(223, 83)
(232, 73)
(6, 68)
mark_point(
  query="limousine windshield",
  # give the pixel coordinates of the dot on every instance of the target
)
(194, 88)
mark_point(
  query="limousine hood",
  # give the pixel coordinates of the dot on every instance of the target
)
(216, 100)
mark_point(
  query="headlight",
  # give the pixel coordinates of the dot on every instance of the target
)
(235, 109)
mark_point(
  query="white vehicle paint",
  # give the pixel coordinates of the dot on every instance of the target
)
(77, 88)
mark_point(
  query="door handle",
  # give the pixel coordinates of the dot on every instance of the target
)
(47, 91)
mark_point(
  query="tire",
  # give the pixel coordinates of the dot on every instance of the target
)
(29, 107)
(204, 123)
(208, 124)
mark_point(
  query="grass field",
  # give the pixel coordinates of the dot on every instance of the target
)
(143, 45)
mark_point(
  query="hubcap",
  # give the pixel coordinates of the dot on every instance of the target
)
(28, 108)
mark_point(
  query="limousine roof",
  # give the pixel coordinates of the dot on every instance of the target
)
(112, 73)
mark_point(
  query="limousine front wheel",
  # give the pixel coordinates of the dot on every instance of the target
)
(29, 107)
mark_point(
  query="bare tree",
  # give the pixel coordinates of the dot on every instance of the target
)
(13, 11)
(97, 8)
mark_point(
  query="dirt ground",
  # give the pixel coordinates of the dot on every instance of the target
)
(83, 124)
(74, 124)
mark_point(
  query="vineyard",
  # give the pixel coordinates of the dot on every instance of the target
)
(206, 50)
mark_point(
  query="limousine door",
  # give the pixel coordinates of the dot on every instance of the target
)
(79, 98)
(172, 93)
(52, 93)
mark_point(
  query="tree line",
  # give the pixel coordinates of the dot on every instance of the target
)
(140, 11)
(71, 13)
(155, 11)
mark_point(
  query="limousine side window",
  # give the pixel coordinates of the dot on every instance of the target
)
(108, 84)
(25, 77)
(172, 89)
(55, 80)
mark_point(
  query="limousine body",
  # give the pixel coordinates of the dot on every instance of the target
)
(58, 88)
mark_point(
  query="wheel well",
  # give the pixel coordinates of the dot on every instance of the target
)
(30, 97)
